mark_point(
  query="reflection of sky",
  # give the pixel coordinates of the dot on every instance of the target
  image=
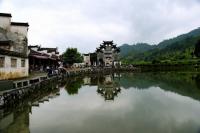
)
(149, 110)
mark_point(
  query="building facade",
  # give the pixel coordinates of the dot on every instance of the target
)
(86, 59)
(40, 58)
(107, 55)
(90, 59)
(13, 48)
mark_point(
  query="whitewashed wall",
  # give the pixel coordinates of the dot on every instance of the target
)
(86, 60)
(8, 72)
(19, 29)
(5, 22)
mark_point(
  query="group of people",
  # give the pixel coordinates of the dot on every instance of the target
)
(50, 70)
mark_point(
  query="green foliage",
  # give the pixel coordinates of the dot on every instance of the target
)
(197, 49)
(135, 48)
(175, 50)
(71, 56)
(72, 86)
(183, 83)
(156, 61)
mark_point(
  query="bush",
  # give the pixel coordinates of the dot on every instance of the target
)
(156, 61)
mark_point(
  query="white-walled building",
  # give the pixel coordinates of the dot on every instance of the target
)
(5, 20)
(19, 28)
(86, 59)
(40, 58)
(13, 48)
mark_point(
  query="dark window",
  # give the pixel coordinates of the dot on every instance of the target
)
(2, 62)
(22, 63)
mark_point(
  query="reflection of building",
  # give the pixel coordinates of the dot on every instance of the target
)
(13, 48)
(17, 121)
(108, 88)
(106, 55)
(107, 85)
(87, 81)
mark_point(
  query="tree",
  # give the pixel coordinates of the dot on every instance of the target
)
(71, 56)
(197, 49)
(156, 61)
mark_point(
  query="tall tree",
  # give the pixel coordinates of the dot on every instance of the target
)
(197, 49)
(71, 56)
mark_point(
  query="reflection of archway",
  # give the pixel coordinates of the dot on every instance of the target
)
(108, 88)
(109, 92)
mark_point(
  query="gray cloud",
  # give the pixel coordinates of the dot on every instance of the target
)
(85, 23)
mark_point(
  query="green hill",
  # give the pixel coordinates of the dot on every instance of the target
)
(179, 50)
(136, 48)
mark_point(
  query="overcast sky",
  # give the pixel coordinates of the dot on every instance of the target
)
(86, 23)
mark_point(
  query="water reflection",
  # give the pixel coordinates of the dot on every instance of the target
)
(15, 118)
(197, 80)
(107, 85)
(186, 84)
(72, 86)
(15, 122)
(143, 102)
(108, 88)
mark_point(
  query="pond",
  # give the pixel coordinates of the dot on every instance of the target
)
(115, 103)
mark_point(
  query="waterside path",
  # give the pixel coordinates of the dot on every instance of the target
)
(13, 91)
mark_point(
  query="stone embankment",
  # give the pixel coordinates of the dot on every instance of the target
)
(13, 91)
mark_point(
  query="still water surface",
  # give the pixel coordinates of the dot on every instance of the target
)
(114, 103)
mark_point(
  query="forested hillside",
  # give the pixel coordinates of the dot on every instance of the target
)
(179, 49)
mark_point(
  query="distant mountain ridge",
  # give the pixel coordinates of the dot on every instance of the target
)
(180, 47)
(193, 33)
(139, 47)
